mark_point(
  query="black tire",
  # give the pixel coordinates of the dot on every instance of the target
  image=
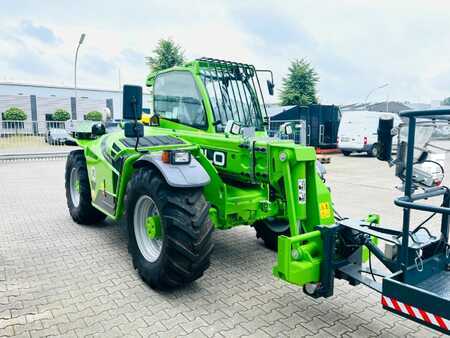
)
(82, 212)
(373, 152)
(269, 231)
(346, 152)
(186, 231)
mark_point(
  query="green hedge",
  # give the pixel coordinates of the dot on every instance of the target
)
(93, 116)
(61, 115)
(14, 114)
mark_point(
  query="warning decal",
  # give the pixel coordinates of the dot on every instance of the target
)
(325, 210)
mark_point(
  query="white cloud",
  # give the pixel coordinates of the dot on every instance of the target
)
(355, 45)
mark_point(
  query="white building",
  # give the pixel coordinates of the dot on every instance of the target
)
(40, 101)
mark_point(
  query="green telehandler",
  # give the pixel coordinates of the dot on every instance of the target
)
(205, 163)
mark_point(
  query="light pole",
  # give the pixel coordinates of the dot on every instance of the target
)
(75, 71)
(373, 90)
(387, 102)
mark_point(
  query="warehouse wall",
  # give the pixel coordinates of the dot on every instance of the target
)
(19, 101)
(48, 99)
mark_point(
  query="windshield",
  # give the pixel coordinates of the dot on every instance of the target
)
(232, 90)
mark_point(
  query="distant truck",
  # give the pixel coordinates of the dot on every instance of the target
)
(357, 131)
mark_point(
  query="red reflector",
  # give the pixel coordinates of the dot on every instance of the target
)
(365, 140)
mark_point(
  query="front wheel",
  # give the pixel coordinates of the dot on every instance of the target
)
(170, 234)
(269, 230)
(346, 152)
(78, 191)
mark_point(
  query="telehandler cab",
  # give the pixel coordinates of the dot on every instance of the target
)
(205, 162)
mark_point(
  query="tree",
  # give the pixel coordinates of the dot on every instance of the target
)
(61, 115)
(93, 116)
(166, 54)
(299, 86)
(14, 114)
(446, 102)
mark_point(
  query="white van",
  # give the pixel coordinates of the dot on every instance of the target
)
(358, 131)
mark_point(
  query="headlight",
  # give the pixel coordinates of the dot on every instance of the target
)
(176, 157)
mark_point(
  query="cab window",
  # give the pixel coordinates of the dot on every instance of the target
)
(176, 98)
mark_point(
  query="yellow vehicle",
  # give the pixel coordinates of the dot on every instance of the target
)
(145, 119)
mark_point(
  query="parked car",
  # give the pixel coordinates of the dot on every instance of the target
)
(57, 136)
(357, 132)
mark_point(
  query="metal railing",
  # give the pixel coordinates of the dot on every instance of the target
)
(33, 137)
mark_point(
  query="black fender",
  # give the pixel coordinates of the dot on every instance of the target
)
(191, 175)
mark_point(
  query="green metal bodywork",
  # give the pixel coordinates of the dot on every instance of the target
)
(263, 178)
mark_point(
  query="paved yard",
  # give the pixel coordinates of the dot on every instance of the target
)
(59, 278)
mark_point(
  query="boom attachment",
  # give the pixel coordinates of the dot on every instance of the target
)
(416, 280)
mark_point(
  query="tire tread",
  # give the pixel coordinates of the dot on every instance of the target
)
(85, 213)
(184, 212)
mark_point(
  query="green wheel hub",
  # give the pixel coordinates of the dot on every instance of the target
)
(77, 185)
(153, 226)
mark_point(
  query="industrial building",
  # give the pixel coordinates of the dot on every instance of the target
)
(39, 102)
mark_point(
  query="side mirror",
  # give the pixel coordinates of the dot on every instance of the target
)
(270, 87)
(232, 128)
(286, 129)
(385, 126)
(132, 102)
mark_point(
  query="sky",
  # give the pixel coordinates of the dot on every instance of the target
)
(354, 45)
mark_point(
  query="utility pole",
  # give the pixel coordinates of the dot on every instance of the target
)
(75, 72)
(120, 80)
(373, 90)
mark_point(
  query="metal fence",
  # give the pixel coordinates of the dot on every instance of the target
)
(42, 137)
(33, 137)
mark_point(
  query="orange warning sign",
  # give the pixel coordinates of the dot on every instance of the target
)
(325, 210)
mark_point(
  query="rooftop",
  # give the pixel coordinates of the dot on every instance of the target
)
(36, 85)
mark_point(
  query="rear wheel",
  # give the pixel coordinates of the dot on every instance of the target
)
(170, 234)
(269, 230)
(346, 152)
(374, 151)
(78, 191)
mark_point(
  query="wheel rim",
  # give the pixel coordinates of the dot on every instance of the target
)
(375, 151)
(75, 187)
(150, 247)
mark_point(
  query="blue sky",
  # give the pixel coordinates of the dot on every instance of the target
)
(354, 45)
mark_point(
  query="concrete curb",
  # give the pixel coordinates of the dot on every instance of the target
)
(33, 156)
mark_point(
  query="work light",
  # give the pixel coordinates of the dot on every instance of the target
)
(176, 157)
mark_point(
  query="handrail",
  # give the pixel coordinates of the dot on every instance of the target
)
(405, 202)
(433, 192)
(426, 112)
